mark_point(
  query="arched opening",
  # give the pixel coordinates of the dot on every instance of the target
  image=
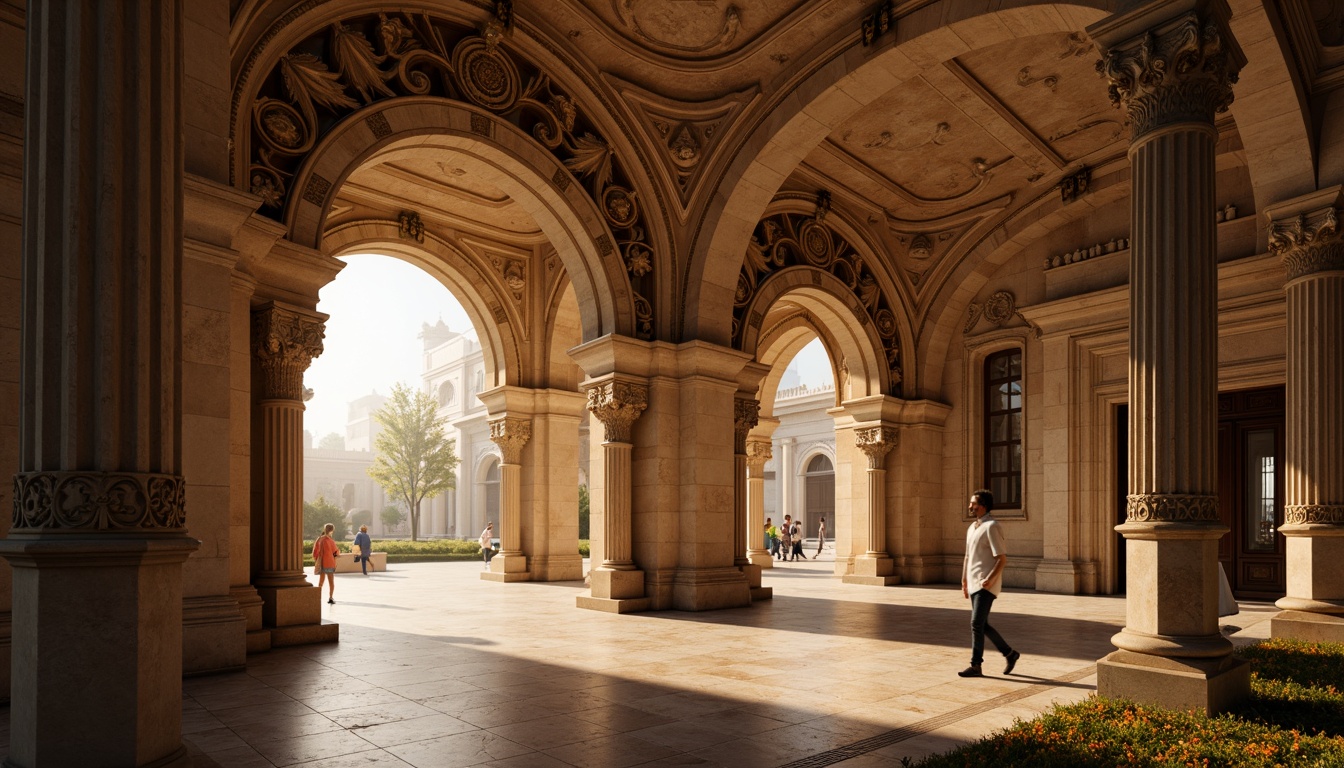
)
(819, 492)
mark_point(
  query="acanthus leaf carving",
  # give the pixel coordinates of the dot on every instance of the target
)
(746, 415)
(875, 442)
(285, 342)
(1308, 242)
(997, 310)
(617, 404)
(511, 435)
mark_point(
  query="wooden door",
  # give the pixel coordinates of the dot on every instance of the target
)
(1250, 491)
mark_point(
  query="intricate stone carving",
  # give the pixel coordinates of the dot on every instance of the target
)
(617, 404)
(878, 23)
(758, 452)
(375, 56)
(285, 341)
(823, 205)
(727, 32)
(746, 415)
(1025, 79)
(1171, 508)
(410, 227)
(1182, 72)
(789, 240)
(1313, 514)
(511, 434)
(98, 501)
(875, 442)
(1075, 186)
(998, 309)
(1308, 242)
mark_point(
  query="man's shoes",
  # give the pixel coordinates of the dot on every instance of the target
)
(1012, 662)
(331, 601)
(971, 671)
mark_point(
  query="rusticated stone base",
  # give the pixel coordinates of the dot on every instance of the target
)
(306, 634)
(873, 572)
(507, 568)
(214, 635)
(1212, 686)
(762, 593)
(616, 585)
(708, 589)
(258, 641)
(290, 606)
(1308, 627)
(557, 568)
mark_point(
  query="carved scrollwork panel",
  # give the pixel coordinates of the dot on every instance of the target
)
(1171, 508)
(98, 501)
(1313, 514)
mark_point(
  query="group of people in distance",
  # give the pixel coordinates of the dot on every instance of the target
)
(786, 541)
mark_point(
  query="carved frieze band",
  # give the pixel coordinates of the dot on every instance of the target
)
(746, 415)
(1171, 508)
(1182, 72)
(285, 342)
(875, 442)
(617, 404)
(99, 501)
(1308, 243)
(511, 434)
(1313, 514)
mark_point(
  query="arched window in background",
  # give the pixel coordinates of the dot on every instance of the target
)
(1003, 428)
(818, 494)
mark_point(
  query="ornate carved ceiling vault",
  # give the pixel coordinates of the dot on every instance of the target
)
(360, 60)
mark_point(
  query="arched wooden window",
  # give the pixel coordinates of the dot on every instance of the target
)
(1003, 428)
(491, 487)
(818, 494)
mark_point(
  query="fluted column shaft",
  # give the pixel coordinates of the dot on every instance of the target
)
(99, 526)
(758, 453)
(1170, 66)
(511, 435)
(285, 340)
(1305, 234)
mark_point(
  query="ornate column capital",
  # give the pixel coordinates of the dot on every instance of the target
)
(758, 452)
(617, 404)
(876, 442)
(511, 434)
(1308, 242)
(285, 339)
(1174, 70)
(105, 502)
(746, 415)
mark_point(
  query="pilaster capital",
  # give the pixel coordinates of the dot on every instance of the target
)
(1308, 242)
(617, 404)
(511, 434)
(102, 502)
(1313, 514)
(285, 339)
(1171, 508)
(746, 415)
(875, 442)
(1164, 69)
(758, 451)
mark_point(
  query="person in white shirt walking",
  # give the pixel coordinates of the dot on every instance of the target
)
(981, 580)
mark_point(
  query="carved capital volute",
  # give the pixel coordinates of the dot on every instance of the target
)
(758, 452)
(511, 435)
(285, 340)
(617, 404)
(876, 442)
(1309, 242)
(746, 415)
(1179, 71)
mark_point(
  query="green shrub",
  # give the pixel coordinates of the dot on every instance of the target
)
(433, 550)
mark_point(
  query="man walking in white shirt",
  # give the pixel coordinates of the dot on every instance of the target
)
(981, 580)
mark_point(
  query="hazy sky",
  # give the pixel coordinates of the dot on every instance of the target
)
(377, 305)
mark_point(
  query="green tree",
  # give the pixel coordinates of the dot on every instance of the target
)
(360, 517)
(331, 442)
(392, 516)
(583, 511)
(414, 457)
(319, 512)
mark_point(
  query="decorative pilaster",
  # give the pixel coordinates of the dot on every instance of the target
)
(1170, 66)
(98, 537)
(617, 585)
(746, 415)
(758, 453)
(1305, 234)
(511, 435)
(875, 566)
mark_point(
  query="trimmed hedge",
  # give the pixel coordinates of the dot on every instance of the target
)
(1295, 718)
(430, 551)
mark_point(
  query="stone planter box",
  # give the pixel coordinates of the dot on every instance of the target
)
(345, 562)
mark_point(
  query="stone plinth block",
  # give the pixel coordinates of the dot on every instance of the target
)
(761, 560)
(97, 646)
(607, 605)
(753, 574)
(762, 593)
(1212, 686)
(708, 589)
(507, 567)
(290, 606)
(617, 585)
(873, 571)
(214, 635)
(306, 634)
(1309, 627)
(557, 567)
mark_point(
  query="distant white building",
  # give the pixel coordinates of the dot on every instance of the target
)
(800, 478)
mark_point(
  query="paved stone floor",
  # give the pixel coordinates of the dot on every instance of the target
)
(437, 668)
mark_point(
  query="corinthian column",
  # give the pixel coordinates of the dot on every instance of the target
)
(1171, 66)
(1305, 234)
(285, 339)
(511, 435)
(99, 522)
(875, 566)
(758, 453)
(746, 414)
(617, 585)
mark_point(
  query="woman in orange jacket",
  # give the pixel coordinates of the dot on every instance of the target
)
(324, 561)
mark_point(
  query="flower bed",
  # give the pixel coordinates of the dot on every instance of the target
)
(1295, 718)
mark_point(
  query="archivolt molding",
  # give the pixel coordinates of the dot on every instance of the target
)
(335, 74)
(792, 240)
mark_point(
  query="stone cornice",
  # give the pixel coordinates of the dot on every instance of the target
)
(511, 434)
(285, 340)
(1178, 70)
(617, 404)
(104, 502)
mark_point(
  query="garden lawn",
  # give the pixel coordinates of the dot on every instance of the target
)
(1295, 718)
